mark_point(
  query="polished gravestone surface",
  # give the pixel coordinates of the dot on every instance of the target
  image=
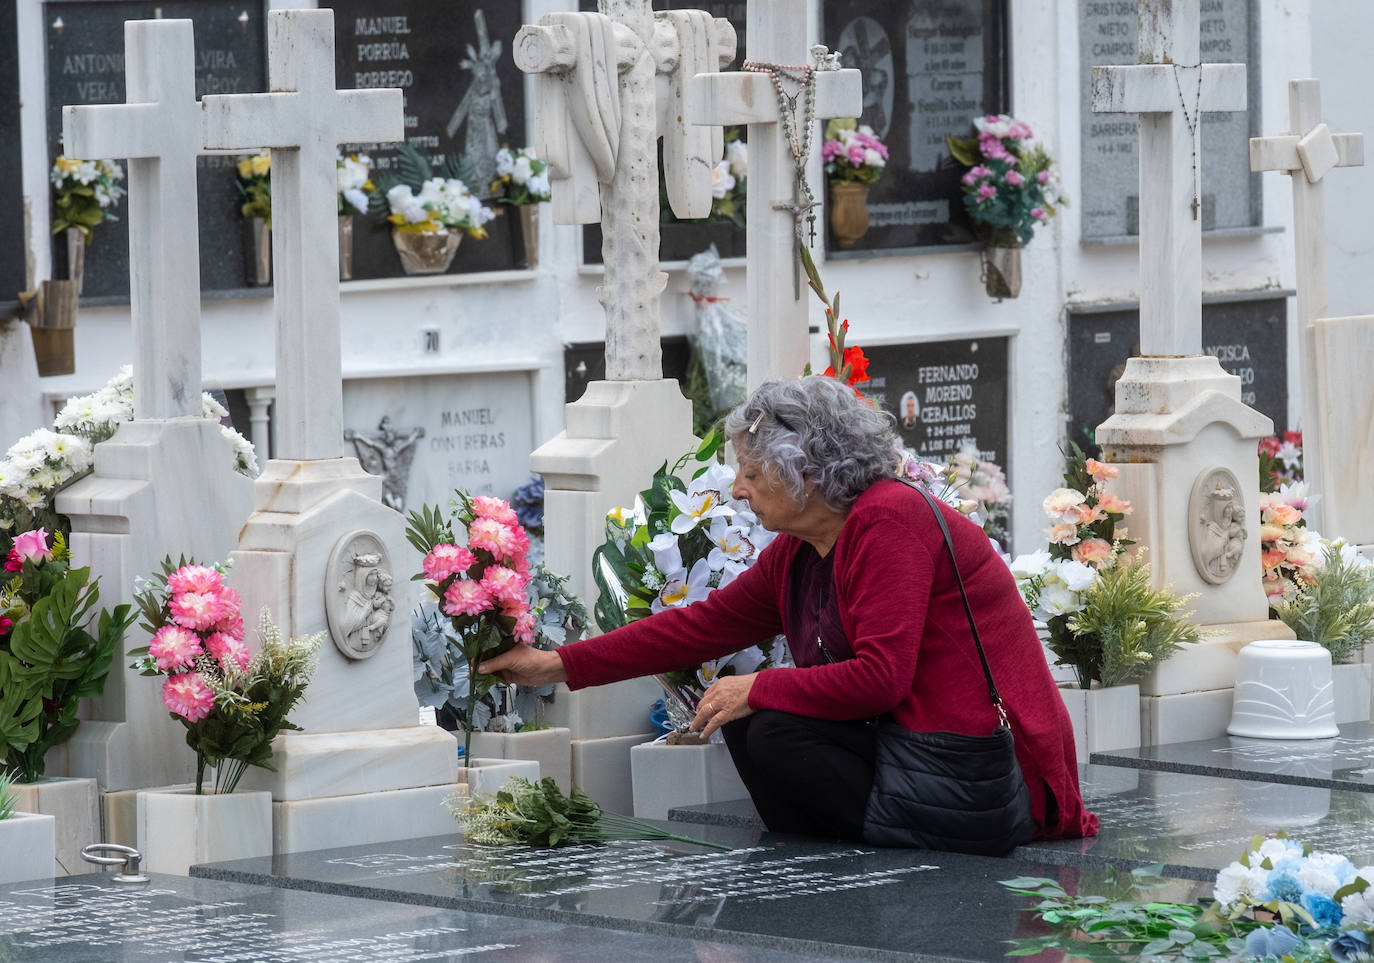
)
(172, 918)
(1196, 825)
(1346, 762)
(779, 892)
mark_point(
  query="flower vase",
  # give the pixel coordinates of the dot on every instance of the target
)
(345, 247)
(486, 777)
(551, 748)
(529, 233)
(848, 210)
(178, 829)
(1103, 719)
(75, 805)
(257, 251)
(664, 777)
(52, 327)
(27, 845)
(76, 258)
(426, 253)
(1002, 268)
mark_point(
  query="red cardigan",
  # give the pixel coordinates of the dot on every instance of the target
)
(914, 656)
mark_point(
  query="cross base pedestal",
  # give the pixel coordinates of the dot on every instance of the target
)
(1186, 449)
(159, 488)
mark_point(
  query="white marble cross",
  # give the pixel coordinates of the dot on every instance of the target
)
(1306, 154)
(597, 119)
(777, 33)
(158, 130)
(1170, 89)
(303, 120)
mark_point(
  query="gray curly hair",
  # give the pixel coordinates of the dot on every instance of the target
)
(815, 429)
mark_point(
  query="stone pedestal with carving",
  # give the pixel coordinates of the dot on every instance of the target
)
(617, 436)
(323, 554)
(1186, 447)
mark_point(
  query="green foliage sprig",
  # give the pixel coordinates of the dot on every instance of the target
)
(7, 800)
(1101, 928)
(1336, 608)
(524, 813)
(50, 659)
(1125, 627)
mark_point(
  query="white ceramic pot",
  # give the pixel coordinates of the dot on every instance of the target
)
(178, 829)
(1103, 719)
(551, 748)
(664, 777)
(27, 844)
(488, 776)
(75, 805)
(1283, 691)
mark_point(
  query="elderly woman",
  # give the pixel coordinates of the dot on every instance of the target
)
(861, 583)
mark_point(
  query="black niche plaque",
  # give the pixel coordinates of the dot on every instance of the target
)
(13, 269)
(679, 240)
(1249, 338)
(928, 69)
(1108, 34)
(945, 394)
(463, 95)
(86, 66)
(585, 362)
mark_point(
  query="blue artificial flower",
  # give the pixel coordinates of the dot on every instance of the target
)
(1270, 941)
(1282, 886)
(1352, 947)
(528, 502)
(658, 718)
(1325, 910)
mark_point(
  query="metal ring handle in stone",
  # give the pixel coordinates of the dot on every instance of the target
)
(129, 858)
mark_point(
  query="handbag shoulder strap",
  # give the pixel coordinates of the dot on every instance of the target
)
(993, 694)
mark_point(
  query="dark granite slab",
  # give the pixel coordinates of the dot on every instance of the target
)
(1197, 825)
(91, 919)
(1346, 762)
(739, 813)
(779, 892)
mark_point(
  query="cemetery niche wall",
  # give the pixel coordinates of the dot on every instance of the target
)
(13, 269)
(928, 69)
(85, 65)
(473, 432)
(1249, 336)
(945, 394)
(679, 240)
(463, 94)
(1231, 194)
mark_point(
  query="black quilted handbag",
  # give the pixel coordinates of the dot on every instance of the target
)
(945, 790)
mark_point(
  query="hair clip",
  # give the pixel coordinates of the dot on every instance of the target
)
(755, 426)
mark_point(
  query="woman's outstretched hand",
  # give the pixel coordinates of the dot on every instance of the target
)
(525, 666)
(725, 701)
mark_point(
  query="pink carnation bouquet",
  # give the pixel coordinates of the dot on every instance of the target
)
(231, 701)
(852, 153)
(479, 581)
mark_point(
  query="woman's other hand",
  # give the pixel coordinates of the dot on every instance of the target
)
(523, 665)
(725, 701)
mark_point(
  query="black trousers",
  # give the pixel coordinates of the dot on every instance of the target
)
(806, 776)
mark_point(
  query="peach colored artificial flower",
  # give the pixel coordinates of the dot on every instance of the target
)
(1101, 471)
(1065, 533)
(1113, 504)
(1093, 551)
(1062, 501)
